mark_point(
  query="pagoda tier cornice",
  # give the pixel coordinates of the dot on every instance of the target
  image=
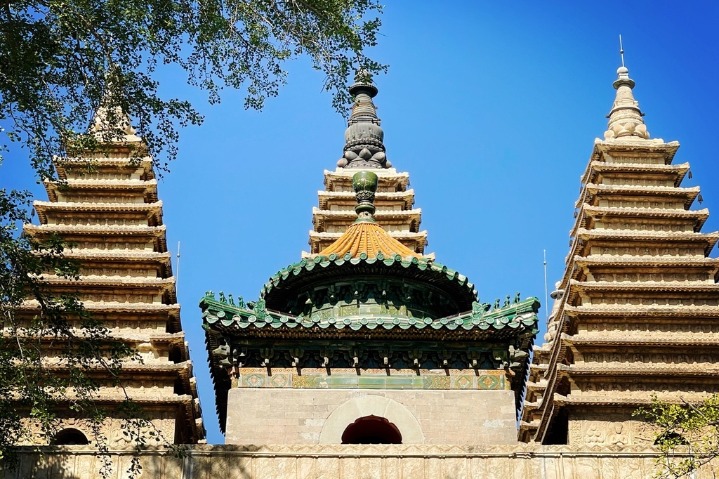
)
(100, 233)
(640, 288)
(162, 290)
(649, 236)
(621, 313)
(108, 396)
(585, 266)
(648, 148)
(137, 310)
(348, 198)
(112, 311)
(537, 386)
(132, 337)
(102, 230)
(589, 214)
(617, 261)
(649, 193)
(668, 340)
(386, 176)
(584, 236)
(71, 168)
(126, 259)
(139, 370)
(92, 281)
(655, 371)
(380, 215)
(617, 400)
(635, 170)
(131, 256)
(146, 188)
(152, 211)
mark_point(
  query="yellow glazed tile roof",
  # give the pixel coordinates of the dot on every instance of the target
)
(367, 237)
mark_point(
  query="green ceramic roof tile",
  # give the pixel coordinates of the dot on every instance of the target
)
(520, 315)
(306, 265)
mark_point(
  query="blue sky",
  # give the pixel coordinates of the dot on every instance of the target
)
(492, 107)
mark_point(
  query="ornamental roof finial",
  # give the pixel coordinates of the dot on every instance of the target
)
(625, 118)
(364, 147)
(365, 185)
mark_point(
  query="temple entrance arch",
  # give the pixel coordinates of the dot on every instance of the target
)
(363, 417)
(371, 430)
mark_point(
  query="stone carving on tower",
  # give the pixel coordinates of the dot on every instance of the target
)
(636, 313)
(364, 149)
(105, 205)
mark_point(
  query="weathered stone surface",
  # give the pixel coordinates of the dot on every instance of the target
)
(355, 462)
(257, 416)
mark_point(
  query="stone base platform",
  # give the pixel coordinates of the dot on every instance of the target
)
(350, 462)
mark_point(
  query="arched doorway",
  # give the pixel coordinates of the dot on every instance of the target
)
(376, 405)
(69, 437)
(371, 430)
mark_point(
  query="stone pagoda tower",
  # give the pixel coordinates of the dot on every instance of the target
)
(364, 148)
(369, 340)
(106, 207)
(636, 314)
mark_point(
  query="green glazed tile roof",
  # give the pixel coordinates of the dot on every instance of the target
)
(422, 268)
(520, 315)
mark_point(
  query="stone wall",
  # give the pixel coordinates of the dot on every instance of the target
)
(352, 462)
(307, 416)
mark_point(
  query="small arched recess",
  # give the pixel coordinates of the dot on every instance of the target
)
(69, 437)
(393, 412)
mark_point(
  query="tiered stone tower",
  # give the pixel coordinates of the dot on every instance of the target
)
(364, 148)
(106, 206)
(637, 311)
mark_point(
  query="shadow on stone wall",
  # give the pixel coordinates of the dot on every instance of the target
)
(36, 465)
(204, 463)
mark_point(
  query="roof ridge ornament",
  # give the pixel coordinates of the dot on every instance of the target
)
(625, 119)
(364, 138)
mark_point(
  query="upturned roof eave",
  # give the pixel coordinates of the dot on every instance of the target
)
(520, 317)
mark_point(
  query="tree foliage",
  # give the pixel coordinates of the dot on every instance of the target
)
(686, 433)
(58, 58)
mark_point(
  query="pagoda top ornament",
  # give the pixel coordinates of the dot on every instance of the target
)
(364, 146)
(625, 118)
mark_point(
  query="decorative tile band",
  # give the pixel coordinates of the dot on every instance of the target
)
(487, 380)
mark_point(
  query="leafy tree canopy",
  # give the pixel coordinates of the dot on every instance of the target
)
(59, 57)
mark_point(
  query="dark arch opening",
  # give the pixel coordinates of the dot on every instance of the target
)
(371, 430)
(671, 439)
(69, 437)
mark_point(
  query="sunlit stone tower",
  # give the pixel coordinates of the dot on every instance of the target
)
(106, 206)
(636, 313)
